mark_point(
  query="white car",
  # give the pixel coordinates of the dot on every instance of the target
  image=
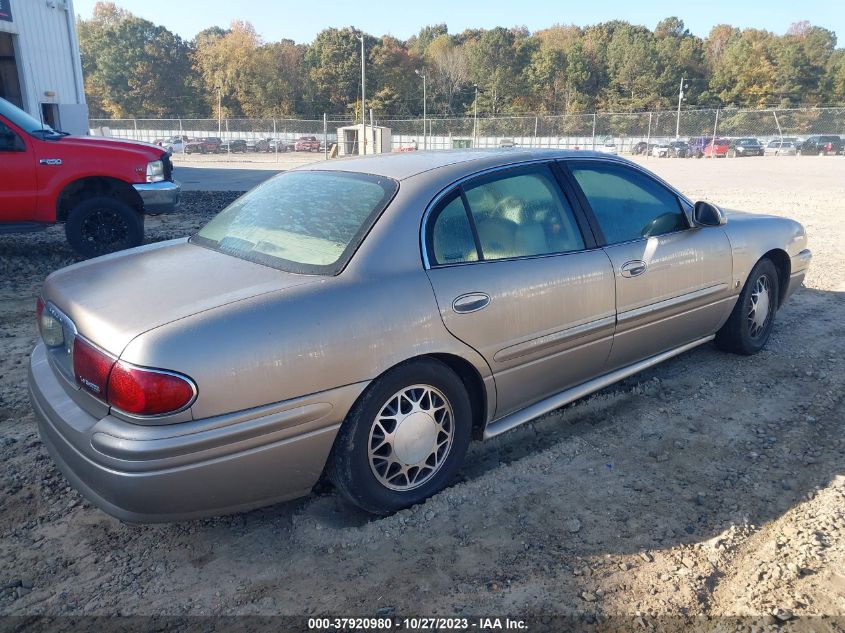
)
(608, 147)
(661, 150)
(175, 145)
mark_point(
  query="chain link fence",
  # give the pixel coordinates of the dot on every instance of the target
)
(576, 131)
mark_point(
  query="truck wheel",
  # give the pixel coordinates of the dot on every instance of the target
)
(101, 225)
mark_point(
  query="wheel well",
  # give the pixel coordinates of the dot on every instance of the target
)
(783, 265)
(474, 385)
(84, 188)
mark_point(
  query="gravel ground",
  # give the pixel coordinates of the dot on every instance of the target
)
(712, 485)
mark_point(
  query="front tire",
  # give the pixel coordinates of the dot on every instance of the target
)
(102, 225)
(404, 440)
(748, 328)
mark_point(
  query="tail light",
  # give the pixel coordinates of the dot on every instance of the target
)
(828, 147)
(143, 391)
(129, 388)
(91, 367)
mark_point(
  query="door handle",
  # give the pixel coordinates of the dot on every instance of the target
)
(633, 268)
(471, 302)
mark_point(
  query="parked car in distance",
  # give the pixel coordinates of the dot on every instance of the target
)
(175, 144)
(100, 188)
(234, 146)
(307, 144)
(282, 145)
(507, 142)
(780, 148)
(697, 145)
(717, 148)
(642, 148)
(332, 321)
(821, 145)
(740, 147)
(258, 145)
(679, 149)
(208, 145)
(608, 147)
(661, 150)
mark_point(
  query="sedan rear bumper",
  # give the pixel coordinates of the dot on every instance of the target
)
(146, 474)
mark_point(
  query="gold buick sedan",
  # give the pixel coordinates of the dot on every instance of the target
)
(367, 317)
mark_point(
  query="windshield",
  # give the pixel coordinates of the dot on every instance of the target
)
(307, 222)
(20, 118)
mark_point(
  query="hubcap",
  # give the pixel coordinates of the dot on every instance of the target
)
(411, 437)
(760, 308)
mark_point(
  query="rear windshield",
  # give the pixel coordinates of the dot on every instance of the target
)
(306, 222)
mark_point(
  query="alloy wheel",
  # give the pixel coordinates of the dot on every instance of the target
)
(105, 229)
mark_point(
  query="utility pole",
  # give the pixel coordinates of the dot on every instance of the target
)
(363, 95)
(425, 117)
(680, 99)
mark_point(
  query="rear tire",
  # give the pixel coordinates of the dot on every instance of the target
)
(102, 225)
(748, 328)
(405, 438)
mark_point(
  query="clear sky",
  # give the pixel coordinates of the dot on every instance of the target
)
(302, 20)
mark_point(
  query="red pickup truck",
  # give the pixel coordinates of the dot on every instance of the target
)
(99, 187)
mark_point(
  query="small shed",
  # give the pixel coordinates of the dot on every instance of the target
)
(376, 140)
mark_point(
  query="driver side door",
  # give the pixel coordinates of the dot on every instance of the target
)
(673, 280)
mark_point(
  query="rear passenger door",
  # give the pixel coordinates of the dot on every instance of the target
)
(673, 280)
(518, 279)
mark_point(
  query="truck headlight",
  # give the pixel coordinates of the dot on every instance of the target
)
(155, 171)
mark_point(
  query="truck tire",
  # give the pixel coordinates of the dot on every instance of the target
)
(101, 225)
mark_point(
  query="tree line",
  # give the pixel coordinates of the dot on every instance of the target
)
(134, 68)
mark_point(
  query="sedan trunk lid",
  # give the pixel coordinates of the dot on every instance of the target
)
(113, 299)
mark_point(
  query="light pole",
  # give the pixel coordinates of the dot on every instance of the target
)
(680, 99)
(425, 117)
(475, 118)
(219, 110)
(363, 94)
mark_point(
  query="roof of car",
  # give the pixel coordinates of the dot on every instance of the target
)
(402, 165)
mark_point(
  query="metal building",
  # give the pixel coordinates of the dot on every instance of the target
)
(40, 67)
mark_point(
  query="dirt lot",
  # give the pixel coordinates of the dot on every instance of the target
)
(711, 485)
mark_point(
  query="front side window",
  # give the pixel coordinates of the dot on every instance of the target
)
(9, 140)
(307, 222)
(628, 204)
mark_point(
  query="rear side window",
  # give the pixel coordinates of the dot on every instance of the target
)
(522, 215)
(451, 240)
(628, 204)
(518, 214)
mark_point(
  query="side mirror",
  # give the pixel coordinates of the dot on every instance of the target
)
(706, 214)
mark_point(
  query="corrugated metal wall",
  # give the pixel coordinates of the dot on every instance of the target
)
(47, 52)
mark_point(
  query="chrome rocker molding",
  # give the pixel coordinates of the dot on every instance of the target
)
(558, 400)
